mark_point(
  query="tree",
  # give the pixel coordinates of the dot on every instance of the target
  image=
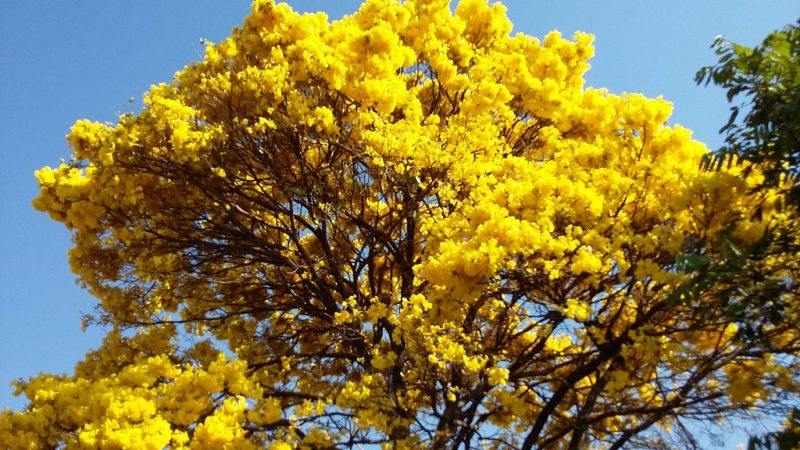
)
(768, 77)
(407, 228)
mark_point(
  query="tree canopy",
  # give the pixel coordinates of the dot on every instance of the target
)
(766, 79)
(407, 228)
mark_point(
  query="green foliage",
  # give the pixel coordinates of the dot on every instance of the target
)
(763, 84)
(747, 292)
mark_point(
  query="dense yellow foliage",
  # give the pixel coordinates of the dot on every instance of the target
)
(407, 227)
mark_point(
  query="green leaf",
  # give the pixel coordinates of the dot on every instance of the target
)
(691, 263)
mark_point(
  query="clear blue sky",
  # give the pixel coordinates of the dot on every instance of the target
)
(61, 61)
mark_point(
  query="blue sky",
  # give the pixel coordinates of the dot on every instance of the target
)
(62, 61)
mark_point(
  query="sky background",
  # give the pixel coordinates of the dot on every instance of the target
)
(61, 61)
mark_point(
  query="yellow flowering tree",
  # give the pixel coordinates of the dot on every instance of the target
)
(406, 228)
